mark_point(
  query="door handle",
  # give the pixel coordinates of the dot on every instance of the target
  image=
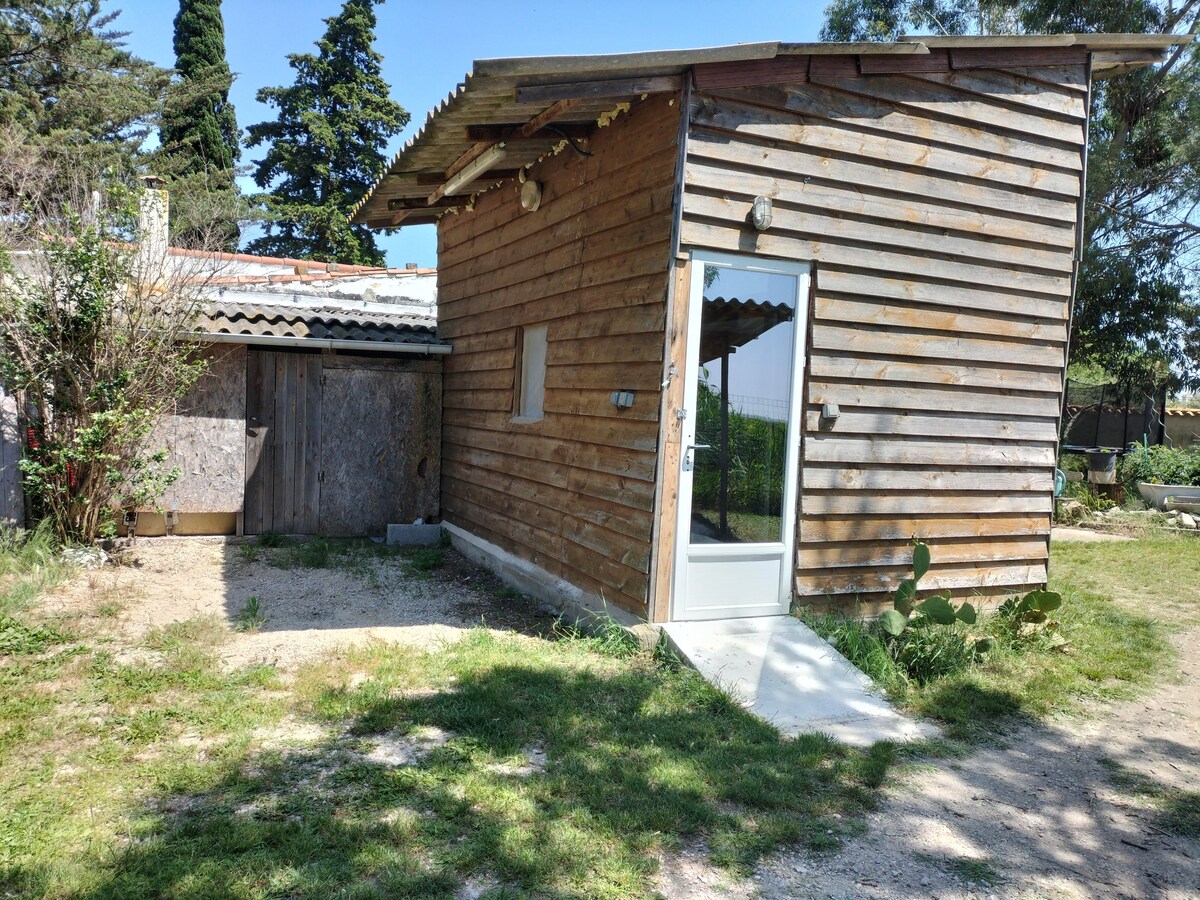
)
(689, 458)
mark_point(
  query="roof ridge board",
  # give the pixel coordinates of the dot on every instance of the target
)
(834, 48)
(569, 64)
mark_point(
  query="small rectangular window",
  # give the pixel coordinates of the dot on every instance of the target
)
(531, 374)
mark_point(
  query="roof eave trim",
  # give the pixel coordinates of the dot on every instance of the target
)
(268, 340)
(566, 65)
(1097, 41)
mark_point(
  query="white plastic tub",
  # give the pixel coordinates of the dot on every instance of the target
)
(1158, 495)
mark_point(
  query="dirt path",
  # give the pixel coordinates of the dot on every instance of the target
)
(306, 611)
(1062, 811)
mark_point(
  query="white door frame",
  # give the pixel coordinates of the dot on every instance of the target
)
(784, 550)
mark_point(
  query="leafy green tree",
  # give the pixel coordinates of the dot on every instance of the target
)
(199, 134)
(1137, 310)
(327, 145)
(91, 320)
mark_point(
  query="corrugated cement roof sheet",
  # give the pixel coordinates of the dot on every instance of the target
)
(558, 97)
(316, 323)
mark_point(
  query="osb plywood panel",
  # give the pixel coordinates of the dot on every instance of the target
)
(206, 437)
(940, 219)
(380, 443)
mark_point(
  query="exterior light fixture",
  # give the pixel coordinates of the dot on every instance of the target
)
(474, 169)
(531, 196)
(760, 213)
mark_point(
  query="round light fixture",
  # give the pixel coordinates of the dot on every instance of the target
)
(531, 196)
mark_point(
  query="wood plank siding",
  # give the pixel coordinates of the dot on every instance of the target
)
(574, 492)
(939, 210)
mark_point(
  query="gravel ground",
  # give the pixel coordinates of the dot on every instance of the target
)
(306, 612)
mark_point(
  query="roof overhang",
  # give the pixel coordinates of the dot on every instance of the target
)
(264, 340)
(510, 112)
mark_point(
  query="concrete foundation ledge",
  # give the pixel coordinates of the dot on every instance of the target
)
(413, 535)
(556, 596)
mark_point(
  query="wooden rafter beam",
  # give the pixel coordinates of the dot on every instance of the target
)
(598, 90)
(508, 133)
(533, 126)
(397, 203)
(554, 111)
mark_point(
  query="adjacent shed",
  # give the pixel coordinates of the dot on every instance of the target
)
(732, 326)
(319, 413)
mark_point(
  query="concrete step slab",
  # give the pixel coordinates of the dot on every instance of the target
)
(780, 669)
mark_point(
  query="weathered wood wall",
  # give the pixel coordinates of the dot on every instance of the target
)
(206, 437)
(381, 432)
(940, 212)
(573, 493)
(12, 499)
(283, 442)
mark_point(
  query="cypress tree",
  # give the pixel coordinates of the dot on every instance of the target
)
(327, 145)
(199, 131)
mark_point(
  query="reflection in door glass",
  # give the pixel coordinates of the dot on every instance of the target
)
(742, 406)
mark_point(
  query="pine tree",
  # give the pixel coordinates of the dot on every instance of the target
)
(70, 90)
(199, 132)
(327, 144)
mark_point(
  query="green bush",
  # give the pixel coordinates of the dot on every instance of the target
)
(757, 453)
(1160, 465)
(1073, 462)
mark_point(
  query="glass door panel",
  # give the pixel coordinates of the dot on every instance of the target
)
(743, 404)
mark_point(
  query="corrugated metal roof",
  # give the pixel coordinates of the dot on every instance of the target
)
(318, 323)
(494, 99)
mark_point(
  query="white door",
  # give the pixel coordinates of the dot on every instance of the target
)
(741, 437)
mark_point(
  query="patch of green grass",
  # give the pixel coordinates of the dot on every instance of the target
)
(355, 556)
(424, 559)
(201, 632)
(17, 637)
(634, 757)
(271, 539)
(1178, 811)
(86, 742)
(981, 871)
(250, 618)
(600, 634)
(109, 608)
(30, 562)
(136, 770)
(1112, 650)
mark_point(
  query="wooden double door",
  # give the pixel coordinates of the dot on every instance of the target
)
(340, 445)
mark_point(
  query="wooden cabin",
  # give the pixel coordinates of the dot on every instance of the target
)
(732, 326)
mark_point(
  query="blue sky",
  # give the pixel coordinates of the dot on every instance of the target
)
(427, 47)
